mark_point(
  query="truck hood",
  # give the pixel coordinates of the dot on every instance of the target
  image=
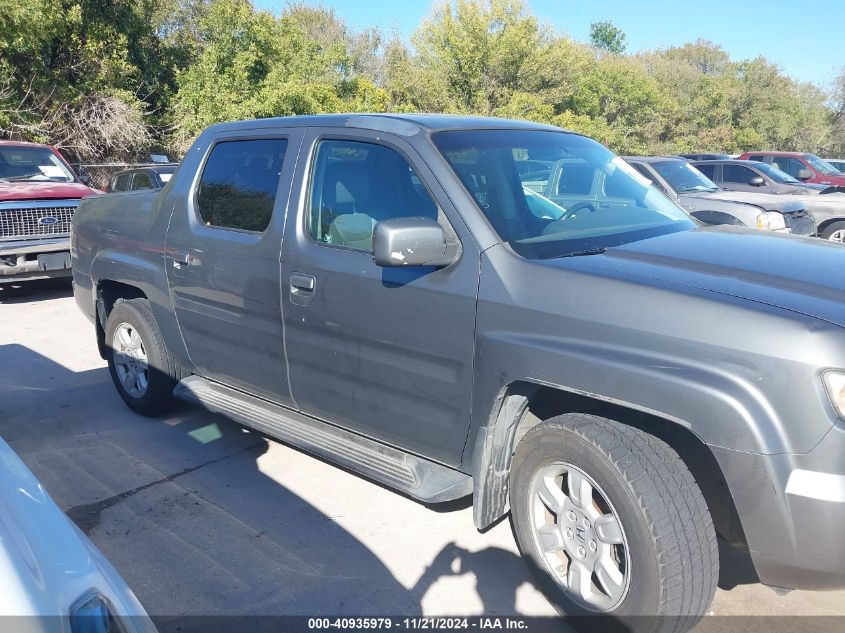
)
(10, 191)
(765, 201)
(800, 274)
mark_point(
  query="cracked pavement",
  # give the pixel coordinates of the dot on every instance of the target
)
(202, 517)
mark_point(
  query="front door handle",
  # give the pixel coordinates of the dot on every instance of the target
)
(302, 288)
(181, 259)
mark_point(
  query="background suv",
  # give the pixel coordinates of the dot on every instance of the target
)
(804, 167)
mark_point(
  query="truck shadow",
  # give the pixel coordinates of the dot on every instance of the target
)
(198, 519)
(185, 510)
(39, 290)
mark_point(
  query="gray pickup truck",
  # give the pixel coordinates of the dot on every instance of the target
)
(389, 293)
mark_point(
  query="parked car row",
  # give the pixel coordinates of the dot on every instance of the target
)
(752, 193)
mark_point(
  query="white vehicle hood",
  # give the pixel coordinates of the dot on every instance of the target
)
(46, 563)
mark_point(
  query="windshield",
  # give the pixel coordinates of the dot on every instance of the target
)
(22, 163)
(821, 166)
(683, 177)
(554, 194)
(776, 174)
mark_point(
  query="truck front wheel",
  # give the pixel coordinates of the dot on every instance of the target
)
(614, 523)
(141, 368)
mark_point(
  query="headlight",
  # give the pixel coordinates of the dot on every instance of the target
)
(771, 221)
(834, 382)
(93, 613)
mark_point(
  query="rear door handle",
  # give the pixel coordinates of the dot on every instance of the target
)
(302, 288)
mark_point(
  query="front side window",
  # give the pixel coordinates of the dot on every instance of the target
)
(599, 200)
(709, 171)
(22, 163)
(737, 174)
(355, 184)
(238, 185)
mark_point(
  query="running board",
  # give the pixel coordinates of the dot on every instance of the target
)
(420, 478)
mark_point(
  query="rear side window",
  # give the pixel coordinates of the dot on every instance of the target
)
(142, 180)
(121, 183)
(237, 189)
(758, 157)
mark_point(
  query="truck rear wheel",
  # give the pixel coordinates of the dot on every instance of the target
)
(141, 368)
(614, 523)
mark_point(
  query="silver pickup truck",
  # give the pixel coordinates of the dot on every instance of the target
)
(392, 293)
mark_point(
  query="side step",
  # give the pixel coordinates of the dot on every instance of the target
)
(420, 478)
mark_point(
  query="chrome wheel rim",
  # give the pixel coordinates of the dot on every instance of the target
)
(837, 236)
(130, 360)
(579, 537)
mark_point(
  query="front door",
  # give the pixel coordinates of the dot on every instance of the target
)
(223, 246)
(386, 352)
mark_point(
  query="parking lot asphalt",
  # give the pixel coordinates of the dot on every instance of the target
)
(203, 517)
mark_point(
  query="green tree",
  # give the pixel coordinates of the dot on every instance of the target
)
(607, 37)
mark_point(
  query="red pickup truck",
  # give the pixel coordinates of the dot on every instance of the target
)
(39, 193)
(805, 167)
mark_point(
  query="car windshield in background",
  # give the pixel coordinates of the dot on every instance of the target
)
(821, 166)
(683, 177)
(553, 194)
(19, 163)
(776, 174)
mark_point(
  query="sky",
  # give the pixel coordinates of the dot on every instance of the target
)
(804, 38)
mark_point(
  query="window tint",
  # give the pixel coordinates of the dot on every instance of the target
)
(121, 183)
(736, 173)
(356, 184)
(707, 170)
(142, 180)
(238, 184)
(758, 157)
(791, 166)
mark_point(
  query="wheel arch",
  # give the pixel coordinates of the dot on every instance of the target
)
(823, 226)
(523, 404)
(108, 293)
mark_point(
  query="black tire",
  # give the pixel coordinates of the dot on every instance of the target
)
(832, 228)
(674, 560)
(162, 371)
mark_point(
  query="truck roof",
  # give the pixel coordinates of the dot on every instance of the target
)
(21, 144)
(401, 124)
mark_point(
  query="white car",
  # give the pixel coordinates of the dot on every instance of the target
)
(52, 577)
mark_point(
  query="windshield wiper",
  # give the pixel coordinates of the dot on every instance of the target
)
(588, 251)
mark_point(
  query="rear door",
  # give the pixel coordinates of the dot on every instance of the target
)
(223, 246)
(385, 352)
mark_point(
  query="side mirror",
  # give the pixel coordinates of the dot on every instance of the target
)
(757, 181)
(804, 174)
(414, 241)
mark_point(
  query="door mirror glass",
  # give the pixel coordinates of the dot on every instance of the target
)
(757, 181)
(414, 241)
(804, 174)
